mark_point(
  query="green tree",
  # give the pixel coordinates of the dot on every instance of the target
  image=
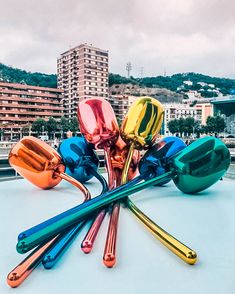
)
(185, 126)
(215, 124)
(173, 126)
(220, 124)
(1, 134)
(39, 126)
(197, 128)
(15, 75)
(64, 124)
(181, 123)
(210, 124)
(189, 125)
(51, 126)
(25, 131)
(73, 125)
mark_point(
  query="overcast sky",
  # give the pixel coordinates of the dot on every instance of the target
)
(172, 35)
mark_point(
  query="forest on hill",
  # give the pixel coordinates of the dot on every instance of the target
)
(226, 86)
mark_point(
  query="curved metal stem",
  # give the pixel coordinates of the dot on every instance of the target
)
(109, 256)
(89, 239)
(111, 175)
(182, 251)
(50, 252)
(24, 269)
(127, 165)
(76, 183)
(101, 179)
(72, 216)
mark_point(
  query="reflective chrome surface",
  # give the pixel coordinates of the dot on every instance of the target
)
(142, 122)
(36, 161)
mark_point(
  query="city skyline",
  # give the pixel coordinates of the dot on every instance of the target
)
(172, 36)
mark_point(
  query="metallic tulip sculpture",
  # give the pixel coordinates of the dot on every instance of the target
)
(139, 130)
(152, 164)
(81, 163)
(193, 169)
(118, 155)
(42, 166)
(155, 162)
(97, 106)
(80, 160)
(141, 127)
(39, 163)
(99, 126)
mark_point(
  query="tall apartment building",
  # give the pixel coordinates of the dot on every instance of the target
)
(82, 73)
(21, 105)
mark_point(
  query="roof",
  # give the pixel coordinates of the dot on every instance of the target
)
(224, 99)
(23, 86)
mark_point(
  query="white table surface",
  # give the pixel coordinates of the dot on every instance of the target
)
(205, 222)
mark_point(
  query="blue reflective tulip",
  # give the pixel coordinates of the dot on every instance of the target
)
(156, 160)
(79, 158)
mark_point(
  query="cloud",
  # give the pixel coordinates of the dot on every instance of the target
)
(171, 35)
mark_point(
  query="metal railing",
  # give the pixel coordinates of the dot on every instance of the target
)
(8, 173)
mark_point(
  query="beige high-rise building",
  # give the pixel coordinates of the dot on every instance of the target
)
(82, 73)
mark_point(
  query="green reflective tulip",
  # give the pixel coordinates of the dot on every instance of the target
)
(200, 165)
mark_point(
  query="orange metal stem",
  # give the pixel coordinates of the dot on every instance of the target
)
(24, 269)
(77, 184)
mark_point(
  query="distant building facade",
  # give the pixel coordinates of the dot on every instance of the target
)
(207, 110)
(120, 105)
(82, 73)
(176, 111)
(21, 105)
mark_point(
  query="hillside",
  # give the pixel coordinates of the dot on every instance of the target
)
(175, 83)
(15, 75)
(226, 86)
